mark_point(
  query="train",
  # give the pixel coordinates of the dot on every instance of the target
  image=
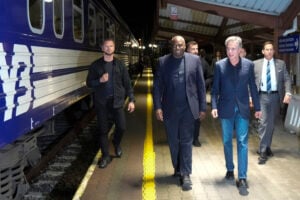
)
(46, 47)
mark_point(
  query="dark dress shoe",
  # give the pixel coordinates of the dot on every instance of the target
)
(104, 161)
(196, 143)
(229, 175)
(258, 152)
(186, 183)
(262, 158)
(269, 152)
(242, 185)
(118, 151)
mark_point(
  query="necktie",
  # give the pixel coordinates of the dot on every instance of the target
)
(268, 77)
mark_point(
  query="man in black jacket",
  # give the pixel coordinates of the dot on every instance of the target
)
(111, 83)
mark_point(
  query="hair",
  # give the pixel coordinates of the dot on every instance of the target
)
(266, 43)
(108, 39)
(234, 38)
(191, 43)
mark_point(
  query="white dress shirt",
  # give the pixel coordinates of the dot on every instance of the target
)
(263, 86)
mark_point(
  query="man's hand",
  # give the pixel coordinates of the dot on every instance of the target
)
(202, 115)
(131, 107)
(214, 113)
(104, 78)
(159, 115)
(258, 114)
(287, 98)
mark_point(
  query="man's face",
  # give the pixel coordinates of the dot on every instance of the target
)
(268, 51)
(193, 49)
(233, 51)
(178, 48)
(108, 47)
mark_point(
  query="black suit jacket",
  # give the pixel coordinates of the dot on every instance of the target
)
(164, 89)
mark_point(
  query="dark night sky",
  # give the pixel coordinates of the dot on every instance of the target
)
(139, 15)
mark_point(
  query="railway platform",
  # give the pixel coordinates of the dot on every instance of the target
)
(145, 171)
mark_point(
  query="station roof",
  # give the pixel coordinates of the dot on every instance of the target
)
(211, 21)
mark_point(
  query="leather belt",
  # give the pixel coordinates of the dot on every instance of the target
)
(271, 92)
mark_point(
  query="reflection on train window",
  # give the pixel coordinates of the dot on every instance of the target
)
(100, 29)
(91, 26)
(58, 13)
(110, 29)
(36, 10)
(78, 20)
(120, 38)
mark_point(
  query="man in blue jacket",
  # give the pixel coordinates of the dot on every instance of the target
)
(179, 100)
(233, 80)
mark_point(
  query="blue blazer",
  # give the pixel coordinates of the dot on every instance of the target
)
(164, 88)
(231, 87)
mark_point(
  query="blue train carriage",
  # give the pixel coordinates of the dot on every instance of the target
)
(46, 48)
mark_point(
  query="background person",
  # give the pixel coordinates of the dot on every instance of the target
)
(243, 52)
(271, 99)
(192, 47)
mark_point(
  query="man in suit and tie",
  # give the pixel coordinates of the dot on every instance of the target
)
(179, 99)
(274, 85)
(233, 81)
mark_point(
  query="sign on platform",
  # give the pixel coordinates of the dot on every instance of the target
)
(174, 13)
(288, 44)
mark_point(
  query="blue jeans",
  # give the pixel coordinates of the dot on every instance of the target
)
(241, 127)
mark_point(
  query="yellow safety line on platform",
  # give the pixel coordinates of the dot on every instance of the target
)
(87, 177)
(149, 192)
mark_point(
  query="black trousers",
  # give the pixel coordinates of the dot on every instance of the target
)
(106, 116)
(197, 129)
(180, 128)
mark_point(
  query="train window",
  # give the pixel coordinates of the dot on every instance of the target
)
(110, 29)
(36, 16)
(92, 24)
(100, 28)
(78, 20)
(58, 17)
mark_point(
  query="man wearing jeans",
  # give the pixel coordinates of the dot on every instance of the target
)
(233, 76)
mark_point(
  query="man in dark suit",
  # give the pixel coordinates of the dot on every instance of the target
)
(233, 80)
(192, 47)
(179, 99)
(272, 98)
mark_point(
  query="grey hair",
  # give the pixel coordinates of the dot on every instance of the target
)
(234, 38)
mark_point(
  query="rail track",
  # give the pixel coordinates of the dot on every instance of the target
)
(61, 169)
